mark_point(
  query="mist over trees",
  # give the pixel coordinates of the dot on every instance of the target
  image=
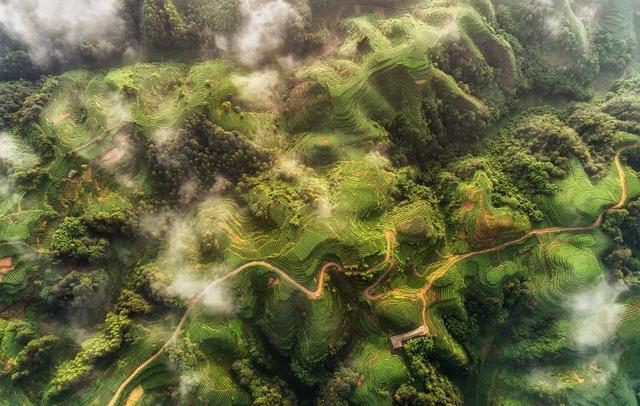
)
(105, 33)
(252, 201)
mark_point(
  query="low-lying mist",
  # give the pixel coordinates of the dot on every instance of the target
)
(54, 30)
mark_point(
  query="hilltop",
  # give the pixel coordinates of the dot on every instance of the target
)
(281, 202)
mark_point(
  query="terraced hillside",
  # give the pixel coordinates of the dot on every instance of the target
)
(387, 207)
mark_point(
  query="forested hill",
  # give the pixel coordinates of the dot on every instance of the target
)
(319, 202)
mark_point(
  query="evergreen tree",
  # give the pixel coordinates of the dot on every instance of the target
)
(162, 25)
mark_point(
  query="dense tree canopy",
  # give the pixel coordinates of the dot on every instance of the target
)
(162, 25)
(434, 389)
(203, 153)
(196, 225)
(72, 241)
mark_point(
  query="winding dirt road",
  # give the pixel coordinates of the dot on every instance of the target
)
(423, 294)
(390, 236)
(448, 263)
(311, 294)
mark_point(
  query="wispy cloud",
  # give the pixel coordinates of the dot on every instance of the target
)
(53, 30)
(263, 31)
(595, 314)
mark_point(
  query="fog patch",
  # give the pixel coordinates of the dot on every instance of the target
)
(15, 155)
(188, 381)
(163, 135)
(80, 335)
(289, 62)
(259, 89)
(595, 315)
(263, 31)
(121, 152)
(450, 31)
(587, 13)
(54, 30)
(188, 278)
(377, 158)
(6, 188)
(553, 27)
(594, 371)
(188, 192)
(601, 368)
(324, 207)
(188, 282)
(117, 111)
(291, 169)
(546, 379)
(215, 296)
(220, 185)
(155, 224)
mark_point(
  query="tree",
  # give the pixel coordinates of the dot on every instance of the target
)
(75, 290)
(338, 389)
(433, 387)
(17, 65)
(12, 97)
(114, 221)
(598, 130)
(213, 18)
(131, 303)
(33, 351)
(416, 143)
(33, 105)
(162, 25)
(623, 228)
(107, 341)
(72, 241)
(265, 391)
(201, 153)
(149, 281)
(30, 179)
(32, 356)
(612, 51)
(549, 140)
(21, 330)
(27, 116)
(185, 354)
(464, 330)
(535, 340)
(626, 109)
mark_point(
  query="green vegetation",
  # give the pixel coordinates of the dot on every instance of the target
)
(390, 202)
(72, 241)
(102, 344)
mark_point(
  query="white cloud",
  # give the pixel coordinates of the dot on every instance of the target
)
(6, 188)
(265, 24)
(15, 155)
(595, 314)
(188, 381)
(215, 297)
(55, 29)
(258, 89)
(163, 135)
(179, 260)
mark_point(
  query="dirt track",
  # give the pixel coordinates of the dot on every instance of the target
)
(423, 294)
(449, 262)
(312, 295)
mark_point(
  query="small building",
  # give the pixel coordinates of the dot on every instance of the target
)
(398, 341)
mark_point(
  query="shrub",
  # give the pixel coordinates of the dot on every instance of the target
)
(72, 241)
(100, 345)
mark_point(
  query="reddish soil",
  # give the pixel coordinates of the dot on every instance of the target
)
(468, 205)
(6, 266)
